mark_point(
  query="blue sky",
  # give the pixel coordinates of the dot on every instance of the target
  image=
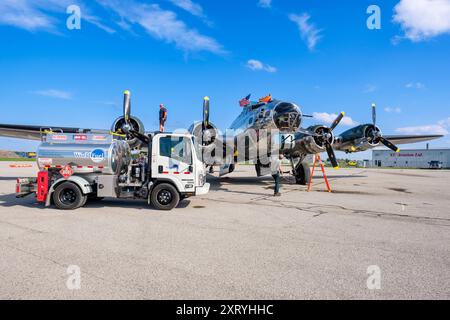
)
(319, 54)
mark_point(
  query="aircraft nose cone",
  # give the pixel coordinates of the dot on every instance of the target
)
(287, 117)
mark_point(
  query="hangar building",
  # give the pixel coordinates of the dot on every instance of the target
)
(413, 158)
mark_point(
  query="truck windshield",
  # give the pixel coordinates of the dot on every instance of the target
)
(177, 148)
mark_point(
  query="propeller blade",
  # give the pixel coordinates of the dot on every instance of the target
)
(389, 144)
(126, 106)
(307, 132)
(332, 156)
(140, 136)
(205, 112)
(374, 114)
(337, 121)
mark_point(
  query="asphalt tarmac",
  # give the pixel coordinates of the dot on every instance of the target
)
(381, 234)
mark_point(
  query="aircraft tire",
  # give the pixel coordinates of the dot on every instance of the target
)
(303, 174)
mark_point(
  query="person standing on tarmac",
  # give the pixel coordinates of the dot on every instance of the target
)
(162, 117)
(275, 165)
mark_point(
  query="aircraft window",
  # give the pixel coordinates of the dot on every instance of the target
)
(261, 114)
(287, 116)
(256, 106)
(285, 108)
(176, 148)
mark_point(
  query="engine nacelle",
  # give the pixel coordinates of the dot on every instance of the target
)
(309, 144)
(204, 137)
(360, 138)
(136, 125)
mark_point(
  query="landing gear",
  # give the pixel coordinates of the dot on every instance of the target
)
(301, 172)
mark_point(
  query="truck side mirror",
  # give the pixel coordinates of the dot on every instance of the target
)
(191, 169)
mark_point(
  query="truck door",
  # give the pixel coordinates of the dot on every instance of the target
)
(174, 160)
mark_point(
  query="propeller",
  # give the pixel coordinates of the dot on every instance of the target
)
(330, 151)
(205, 113)
(374, 114)
(324, 138)
(376, 134)
(389, 144)
(127, 111)
(337, 121)
(332, 155)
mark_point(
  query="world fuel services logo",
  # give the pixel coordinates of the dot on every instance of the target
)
(97, 155)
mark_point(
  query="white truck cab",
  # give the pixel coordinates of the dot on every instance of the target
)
(174, 158)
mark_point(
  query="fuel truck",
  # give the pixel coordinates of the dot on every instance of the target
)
(126, 163)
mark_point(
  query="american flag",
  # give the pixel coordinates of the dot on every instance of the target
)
(246, 101)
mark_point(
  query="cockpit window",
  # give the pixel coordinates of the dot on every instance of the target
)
(287, 117)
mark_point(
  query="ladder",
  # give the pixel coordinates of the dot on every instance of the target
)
(318, 159)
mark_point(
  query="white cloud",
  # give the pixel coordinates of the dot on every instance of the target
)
(370, 88)
(308, 31)
(428, 129)
(190, 6)
(442, 127)
(193, 8)
(97, 22)
(423, 19)
(106, 103)
(392, 110)
(34, 15)
(24, 15)
(328, 118)
(53, 93)
(257, 65)
(415, 85)
(163, 25)
(265, 3)
(445, 122)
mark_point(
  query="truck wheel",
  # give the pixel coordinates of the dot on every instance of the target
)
(68, 196)
(165, 197)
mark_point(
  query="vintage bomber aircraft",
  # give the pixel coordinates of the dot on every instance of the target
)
(296, 143)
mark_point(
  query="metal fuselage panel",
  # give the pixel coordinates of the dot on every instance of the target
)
(277, 115)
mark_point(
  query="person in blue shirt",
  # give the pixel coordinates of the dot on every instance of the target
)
(162, 117)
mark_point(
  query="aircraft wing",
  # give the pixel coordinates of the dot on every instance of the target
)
(30, 132)
(405, 139)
